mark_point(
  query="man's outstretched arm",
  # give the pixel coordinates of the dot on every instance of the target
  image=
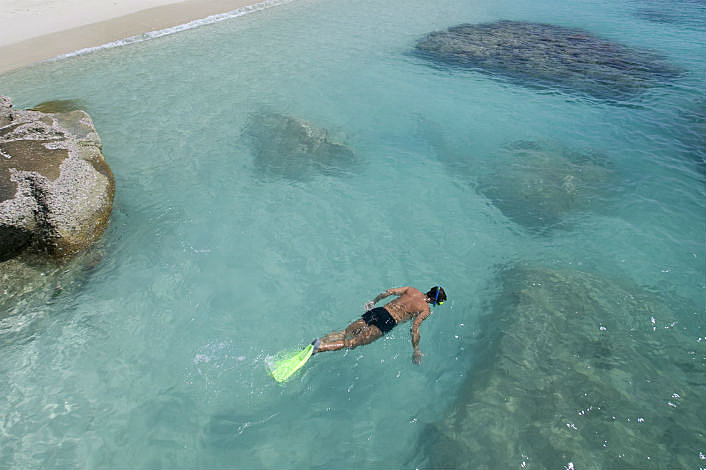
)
(417, 355)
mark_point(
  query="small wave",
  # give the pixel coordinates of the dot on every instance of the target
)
(217, 18)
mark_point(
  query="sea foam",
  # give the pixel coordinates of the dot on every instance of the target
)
(217, 18)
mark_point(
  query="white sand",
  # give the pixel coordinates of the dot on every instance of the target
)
(35, 30)
(24, 19)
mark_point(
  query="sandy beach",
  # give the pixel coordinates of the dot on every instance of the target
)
(36, 30)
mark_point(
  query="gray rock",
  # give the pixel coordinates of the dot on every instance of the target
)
(56, 190)
(538, 185)
(545, 55)
(578, 369)
(6, 114)
(294, 149)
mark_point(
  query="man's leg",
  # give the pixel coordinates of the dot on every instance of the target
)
(338, 336)
(356, 334)
(334, 336)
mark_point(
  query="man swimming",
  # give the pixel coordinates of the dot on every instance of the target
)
(375, 322)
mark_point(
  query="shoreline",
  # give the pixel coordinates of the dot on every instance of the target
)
(113, 31)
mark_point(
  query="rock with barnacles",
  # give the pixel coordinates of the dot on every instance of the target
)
(56, 190)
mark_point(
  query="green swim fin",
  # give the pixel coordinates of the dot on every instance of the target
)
(283, 368)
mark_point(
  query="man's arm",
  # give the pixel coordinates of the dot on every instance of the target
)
(417, 355)
(396, 291)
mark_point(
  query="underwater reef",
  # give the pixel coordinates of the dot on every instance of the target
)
(539, 185)
(294, 149)
(546, 55)
(576, 368)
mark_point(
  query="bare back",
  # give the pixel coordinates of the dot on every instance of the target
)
(410, 303)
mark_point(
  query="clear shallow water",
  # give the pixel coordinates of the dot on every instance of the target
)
(156, 357)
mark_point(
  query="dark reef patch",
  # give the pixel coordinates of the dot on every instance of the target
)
(546, 55)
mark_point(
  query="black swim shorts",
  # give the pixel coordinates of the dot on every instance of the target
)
(381, 318)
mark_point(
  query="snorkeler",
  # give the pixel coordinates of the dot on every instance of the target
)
(375, 322)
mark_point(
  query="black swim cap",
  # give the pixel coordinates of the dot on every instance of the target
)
(437, 295)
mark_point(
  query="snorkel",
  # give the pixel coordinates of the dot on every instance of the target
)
(436, 299)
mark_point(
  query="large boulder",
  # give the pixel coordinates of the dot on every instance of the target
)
(546, 55)
(56, 190)
(295, 149)
(577, 368)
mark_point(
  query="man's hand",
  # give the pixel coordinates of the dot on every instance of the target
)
(369, 305)
(417, 357)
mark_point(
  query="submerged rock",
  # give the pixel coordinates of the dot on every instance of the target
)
(31, 280)
(6, 111)
(537, 54)
(578, 369)
(291, 148)
(538, 185)
(56, 190)
(59, 106)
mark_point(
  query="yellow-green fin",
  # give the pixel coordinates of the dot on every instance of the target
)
(283, 368)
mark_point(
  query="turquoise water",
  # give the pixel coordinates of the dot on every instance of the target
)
(156, 358)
